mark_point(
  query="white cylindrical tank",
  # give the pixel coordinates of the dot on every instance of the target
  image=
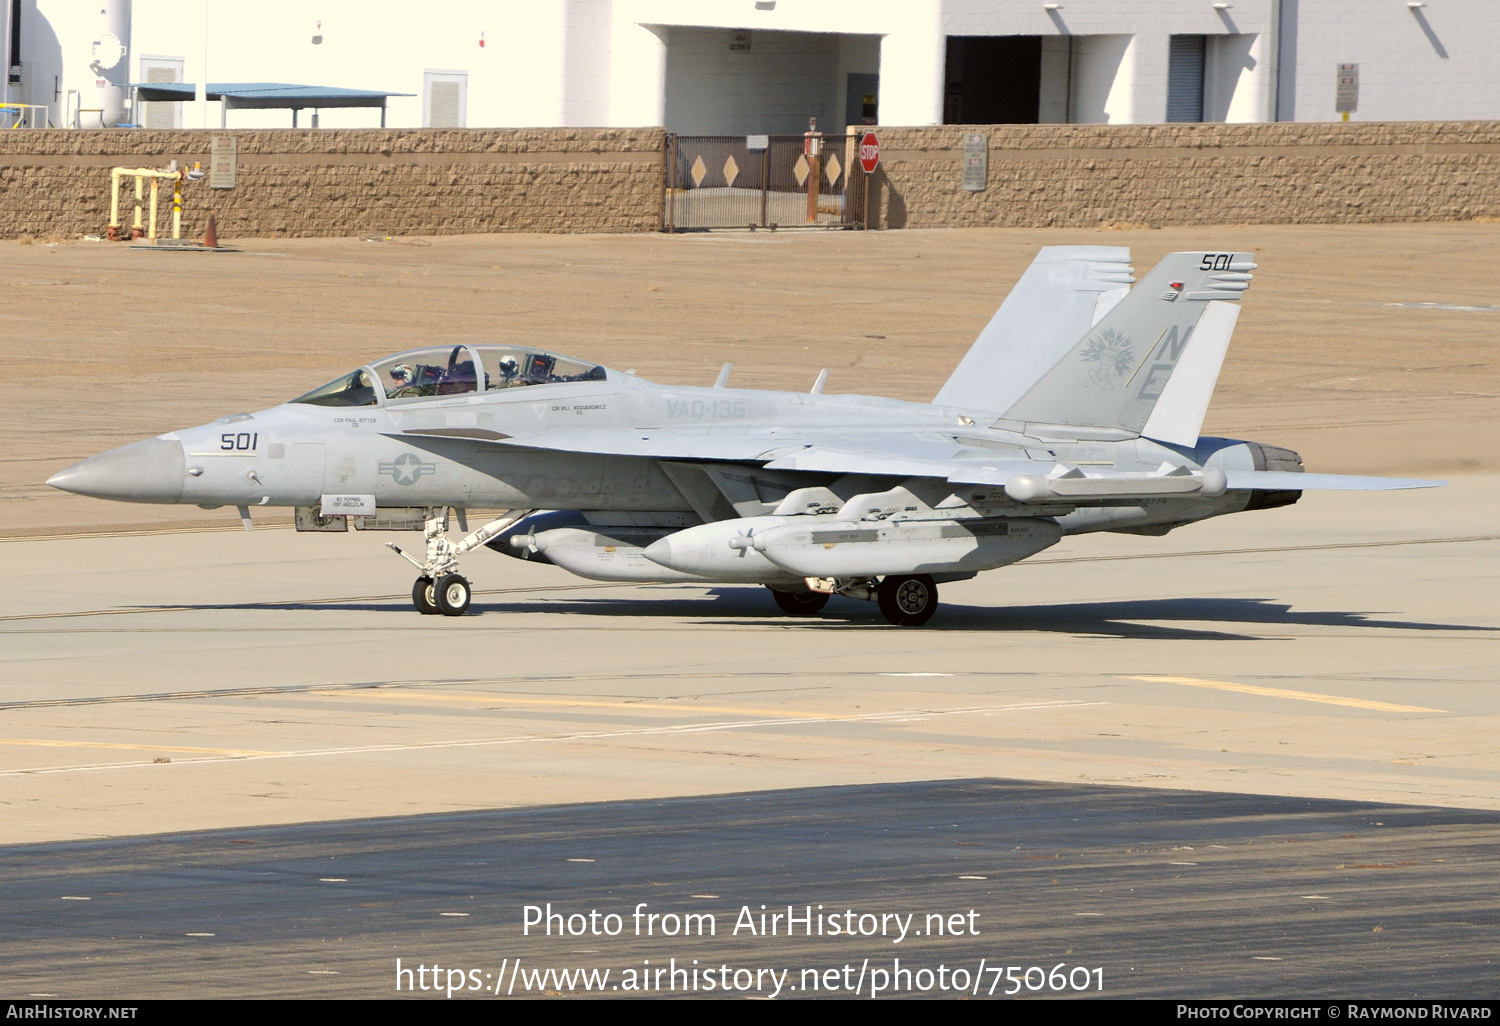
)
(109, 64)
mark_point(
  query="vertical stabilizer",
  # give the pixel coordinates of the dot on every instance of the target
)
(1054, 302)
(1125, 365)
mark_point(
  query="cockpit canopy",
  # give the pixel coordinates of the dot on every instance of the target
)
(449, 370)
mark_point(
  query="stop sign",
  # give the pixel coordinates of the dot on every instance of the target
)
(869, 152)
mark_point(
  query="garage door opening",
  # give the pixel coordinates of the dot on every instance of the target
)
(744, 82)
(993, 80)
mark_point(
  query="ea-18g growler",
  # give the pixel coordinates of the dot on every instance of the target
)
(1076, 410)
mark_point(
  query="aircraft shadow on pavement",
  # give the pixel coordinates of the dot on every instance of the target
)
(749, 606)
(1139, 618)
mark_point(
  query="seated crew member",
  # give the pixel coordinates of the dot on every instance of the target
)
(402, 385)
(510, 372)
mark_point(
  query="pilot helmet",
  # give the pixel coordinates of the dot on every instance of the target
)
(509, 366)
(401, 373)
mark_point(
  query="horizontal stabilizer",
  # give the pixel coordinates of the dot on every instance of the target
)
(1284, 481)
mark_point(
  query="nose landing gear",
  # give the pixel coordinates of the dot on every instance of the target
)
(440, 588)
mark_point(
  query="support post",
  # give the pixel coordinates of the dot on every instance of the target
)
(152, 234)
(765, 181)
(672, 191)
(113, 231)
(812, 149)
(135, 228)
(177, 208)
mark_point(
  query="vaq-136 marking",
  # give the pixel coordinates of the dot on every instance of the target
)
(1076, 410)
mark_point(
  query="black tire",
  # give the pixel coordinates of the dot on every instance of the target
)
(908, 601)
(422, 596)
(453, 593)
(800, 603)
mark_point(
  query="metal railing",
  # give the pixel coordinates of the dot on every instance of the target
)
(766, 181)
(24, 115)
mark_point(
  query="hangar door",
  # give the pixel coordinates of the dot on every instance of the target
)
(1185, 78)
(992, 80)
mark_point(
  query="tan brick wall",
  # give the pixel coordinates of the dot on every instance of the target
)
(1084, 175)
(346, 182)
(450, 181)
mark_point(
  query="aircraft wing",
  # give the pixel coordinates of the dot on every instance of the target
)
(906, 454)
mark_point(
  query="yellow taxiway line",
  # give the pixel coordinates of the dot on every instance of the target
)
(1300, 696)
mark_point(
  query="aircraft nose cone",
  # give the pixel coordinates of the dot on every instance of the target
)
(149, 471)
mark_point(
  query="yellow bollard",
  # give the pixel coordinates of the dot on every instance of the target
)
(135, 229)
(152, 235)
(177, 208)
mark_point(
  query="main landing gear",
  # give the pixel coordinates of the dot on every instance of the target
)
(441, 588)
(906, 600)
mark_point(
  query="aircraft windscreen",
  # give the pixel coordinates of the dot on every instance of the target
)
(512, 366)
(440, 370)
(451, 370)
(350, 390)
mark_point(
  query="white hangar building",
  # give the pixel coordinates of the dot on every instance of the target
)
(758, 66)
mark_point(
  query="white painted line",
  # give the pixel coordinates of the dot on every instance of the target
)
(580, 860)
(455, 915)
(75, 897)
(702, 895)
(973, 878)
(198, 935)
(333, 879)
(1090, 914)
(1182, 863)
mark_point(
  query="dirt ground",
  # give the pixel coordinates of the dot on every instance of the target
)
(1369, 349)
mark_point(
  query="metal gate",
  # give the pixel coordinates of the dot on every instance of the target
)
(762, 181)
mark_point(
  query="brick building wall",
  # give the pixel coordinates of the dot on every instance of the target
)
(450, 181)
(1289, 173)
(346, 182)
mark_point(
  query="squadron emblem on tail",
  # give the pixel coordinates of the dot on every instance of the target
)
(1110, 349)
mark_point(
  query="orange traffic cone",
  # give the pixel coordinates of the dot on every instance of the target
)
(211, 235)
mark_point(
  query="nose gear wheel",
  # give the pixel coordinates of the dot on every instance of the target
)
(452, 592)
(422, 596)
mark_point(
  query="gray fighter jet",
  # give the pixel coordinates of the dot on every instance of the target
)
(1077, 409)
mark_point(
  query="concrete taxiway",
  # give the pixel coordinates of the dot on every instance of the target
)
(1282, 665)
(1342, 648)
